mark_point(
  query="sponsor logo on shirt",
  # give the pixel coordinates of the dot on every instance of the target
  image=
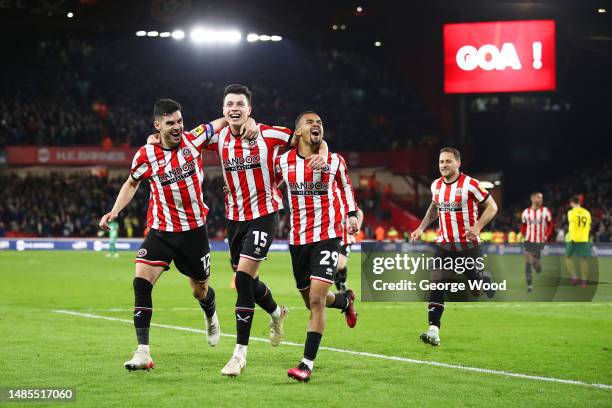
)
(242, 163)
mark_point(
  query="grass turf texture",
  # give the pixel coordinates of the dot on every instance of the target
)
(41, 348)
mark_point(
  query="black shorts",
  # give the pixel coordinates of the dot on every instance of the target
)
(469, 262)
(189, 250)
(534, 248)
(318, 260)
(251, 239)
(345, 250)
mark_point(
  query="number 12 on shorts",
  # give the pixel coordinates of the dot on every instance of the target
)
(261, 238)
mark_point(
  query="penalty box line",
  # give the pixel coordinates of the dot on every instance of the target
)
(360, 353)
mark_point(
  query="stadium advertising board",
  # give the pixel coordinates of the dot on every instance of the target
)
(503, 56)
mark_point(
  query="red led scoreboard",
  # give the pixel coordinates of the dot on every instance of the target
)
(502, 56)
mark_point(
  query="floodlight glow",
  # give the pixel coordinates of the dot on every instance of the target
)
(141, 33)
(601, 10)
(165, 34)
(377, 43)
(264, 37)
(252, 37)
(200, 35)
(70, 15)
(178, 34)
(359, 9)
(152, 34)
(276, 38)
(335, 26)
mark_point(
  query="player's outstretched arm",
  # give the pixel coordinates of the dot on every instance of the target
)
(490, 209)
(430, 216)
(128, 189)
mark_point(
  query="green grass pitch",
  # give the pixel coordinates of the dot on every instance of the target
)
(42, 348)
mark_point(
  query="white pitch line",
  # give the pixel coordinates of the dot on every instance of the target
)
(383, 306)
(361, 353)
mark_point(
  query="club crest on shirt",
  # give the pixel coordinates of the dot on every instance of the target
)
(142, 252)
(458, 192)
(252, 142)
(161, 162)
(186, 152)
(292, 168)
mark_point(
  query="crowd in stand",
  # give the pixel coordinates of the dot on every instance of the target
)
(92, 90)
(70, 205)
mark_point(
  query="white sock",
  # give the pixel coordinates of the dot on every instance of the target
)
(240, 350)
(276, 313)
(210, 319)
(434, 328)
(308, 362)
(144, 347)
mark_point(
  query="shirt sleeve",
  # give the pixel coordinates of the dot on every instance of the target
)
(477, 191)
(201, 135)
(276, 135)
(346, 187)
(141, 168)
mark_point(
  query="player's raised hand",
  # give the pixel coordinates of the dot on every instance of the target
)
(317, 161)
(416, 235)
(472, 233)
(155, 138)
(353, 224)
(249, 130)
(108, 217)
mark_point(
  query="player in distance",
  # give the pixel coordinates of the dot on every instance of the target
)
(456, 198)
(536, 228)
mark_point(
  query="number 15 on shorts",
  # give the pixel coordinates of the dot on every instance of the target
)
(261, 238)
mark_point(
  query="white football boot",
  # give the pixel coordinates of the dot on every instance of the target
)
(141, 360)
(213, 330)
(235, 366)
(431, 336)
(276, 326)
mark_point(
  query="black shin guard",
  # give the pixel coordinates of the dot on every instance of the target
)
(208, 303)
(340, 302)
(263, 296)
(313, 340)
(528, 275)
(435, 307)
(143, 309)
(245, 307)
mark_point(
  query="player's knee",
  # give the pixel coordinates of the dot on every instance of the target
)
(316, 301)
(200, 291)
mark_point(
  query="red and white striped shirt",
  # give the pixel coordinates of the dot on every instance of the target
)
(537, 224)
(457, 204)
(175, 177)
(315, 203)
(248, 171)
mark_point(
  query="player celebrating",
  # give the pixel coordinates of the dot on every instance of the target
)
(455, 202)
(176, 218)
(536, 228)
(345, 250)
(579, 219)
(251, 208)
(316, 230)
